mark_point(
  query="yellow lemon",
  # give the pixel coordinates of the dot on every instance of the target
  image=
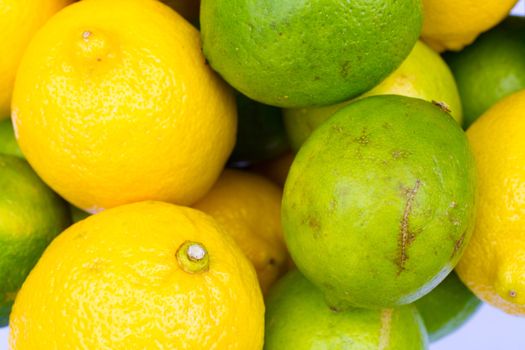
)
(19, 20)
(147, 275)
(493, 265)
(248, 206)
(453, 24)
(114, 103)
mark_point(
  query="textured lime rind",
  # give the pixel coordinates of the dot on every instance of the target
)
(297, 314)
(379, 202)
(298, 53)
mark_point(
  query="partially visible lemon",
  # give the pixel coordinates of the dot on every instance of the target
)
(493, 265)
(124, 107)
(248, 206)
(19, 21)
(148, 275)
(423, 74)
(453, 24)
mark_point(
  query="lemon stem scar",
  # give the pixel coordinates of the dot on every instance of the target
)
(513, 293)
(86, 35)
(193, 257)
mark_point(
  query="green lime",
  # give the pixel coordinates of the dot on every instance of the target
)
(447, 307)
(260, 132)
(31, 215)
(423, 74)
(491, 68)
(8, 144)
(298, 53)
(298, 318)
(379, 202)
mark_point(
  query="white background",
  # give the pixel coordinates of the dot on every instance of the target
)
(489, 329)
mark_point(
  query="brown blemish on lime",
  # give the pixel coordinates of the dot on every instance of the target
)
(315, 225)
(345, 69)
(406, 237)
(458, 244)
(363, 138)
(400, 154)
(442, 105)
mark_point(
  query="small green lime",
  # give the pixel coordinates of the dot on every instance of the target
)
(379, 202)
(491, 68)
(447, 307)
(260, 132)
(31, 215)
(298, 53)
(298, 318)
(8, 144)
(423, 74)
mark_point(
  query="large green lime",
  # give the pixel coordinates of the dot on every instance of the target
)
(491, 68)
(447, 307)
(31, 215)
(423, 74)
(298, 53)
(8, 144)
(379, 202)
(298, 318)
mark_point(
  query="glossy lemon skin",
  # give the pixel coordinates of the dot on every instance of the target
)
(454, 24)
(113, 281)
(494, 262)
(123, 108)
(19, 21)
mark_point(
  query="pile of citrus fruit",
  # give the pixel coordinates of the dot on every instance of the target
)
(249, 174)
